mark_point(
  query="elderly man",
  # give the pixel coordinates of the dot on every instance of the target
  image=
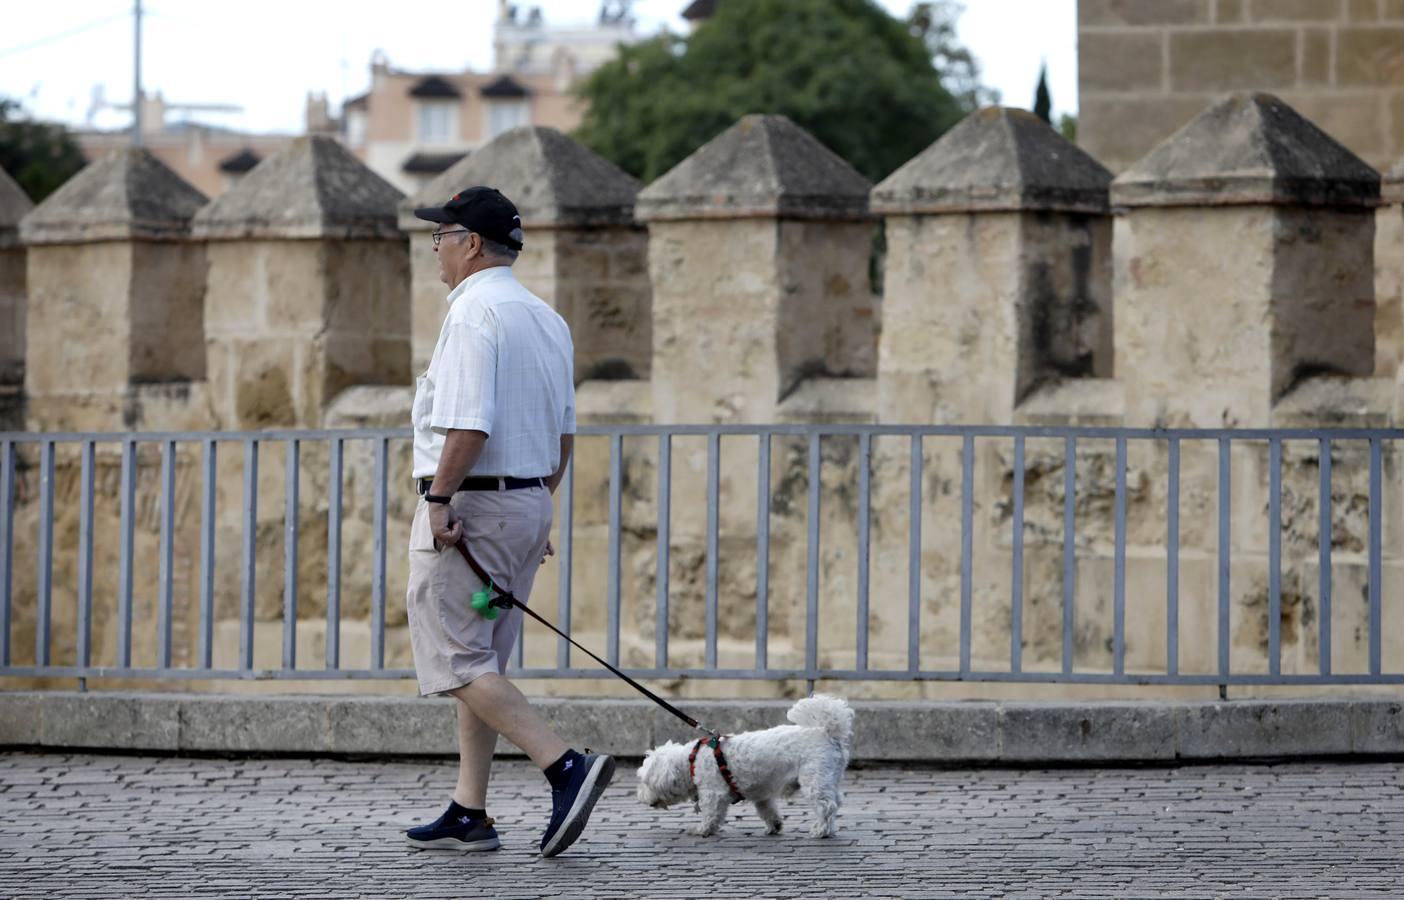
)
(494, 424)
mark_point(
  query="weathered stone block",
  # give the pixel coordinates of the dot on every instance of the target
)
(1370, 56)
(1316, 58)
(1119, 132)
(1351, 117)
(1087, 733)
(1258, 59)
(948, 732)
(1363, 10)
(1377, 726)
(1248, 728)
(1295, 10)
(392, 725)
(137, 722)
(20, 719)
(1096, 13)
(1119, 61)
(1230, 11)
(261, 724)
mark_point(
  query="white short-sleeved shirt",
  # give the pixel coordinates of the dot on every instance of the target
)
(504, 365)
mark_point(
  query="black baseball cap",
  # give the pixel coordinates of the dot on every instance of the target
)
(481, 209)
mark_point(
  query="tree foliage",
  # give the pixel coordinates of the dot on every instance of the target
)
(38, 156)
(867, 85)
(1043, 100)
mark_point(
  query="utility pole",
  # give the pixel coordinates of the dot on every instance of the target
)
(136, 90)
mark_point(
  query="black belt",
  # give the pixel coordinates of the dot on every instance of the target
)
(484, 483)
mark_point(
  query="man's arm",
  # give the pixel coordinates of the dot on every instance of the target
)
(567, 445)
(460, 453)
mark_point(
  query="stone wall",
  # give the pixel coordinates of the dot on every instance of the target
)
(1243, 274)
(1146, 67)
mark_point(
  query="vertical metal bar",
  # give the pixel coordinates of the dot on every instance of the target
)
(967, 499)
(665, 499)
(166, 592)
(763, 554)
(85, 558)
(1376, 569)
(1172, 562)
(713, 500)
(616, 450)
(43, 614)
(1225, 483)
(1119, 565)
(567, 491)
(290, 523)
(865, 454)
(382, 452)
(207, 555)
(1323, 550)
(249, 568)
(125, 560)
(1069, 556)
(914, 470)
(1016, 600)
(335, 477)
(7, 541)
(811, 605)
(1275, 556)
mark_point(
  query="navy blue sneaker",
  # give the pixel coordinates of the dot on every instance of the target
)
(454, 833)
(571, 805)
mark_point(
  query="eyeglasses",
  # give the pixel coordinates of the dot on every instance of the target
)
(439, 235)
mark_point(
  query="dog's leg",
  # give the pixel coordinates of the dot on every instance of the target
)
(713, 815)
(770, 815)
(820, 790)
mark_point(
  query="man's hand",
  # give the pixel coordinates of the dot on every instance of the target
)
(550, 551)
(444, 524)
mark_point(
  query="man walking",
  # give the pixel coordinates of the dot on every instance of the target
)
(494, 425)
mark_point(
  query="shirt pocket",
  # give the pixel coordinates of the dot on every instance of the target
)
(423, 403)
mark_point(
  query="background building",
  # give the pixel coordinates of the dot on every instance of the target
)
(412, 125)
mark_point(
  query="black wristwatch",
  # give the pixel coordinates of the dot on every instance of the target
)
(437, 498)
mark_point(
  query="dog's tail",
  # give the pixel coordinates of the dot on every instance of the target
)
(833, 714)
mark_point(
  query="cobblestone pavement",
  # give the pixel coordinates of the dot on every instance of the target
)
(119, 826)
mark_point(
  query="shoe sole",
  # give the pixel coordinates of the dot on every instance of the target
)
(454, 844)
(595, 782)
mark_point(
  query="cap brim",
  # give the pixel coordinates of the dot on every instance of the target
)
(433, 214)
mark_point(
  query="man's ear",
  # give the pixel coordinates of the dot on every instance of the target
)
(475, 244)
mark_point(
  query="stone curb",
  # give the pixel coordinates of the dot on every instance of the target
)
(885, 731)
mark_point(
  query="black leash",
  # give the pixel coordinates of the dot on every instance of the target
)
(505, 600)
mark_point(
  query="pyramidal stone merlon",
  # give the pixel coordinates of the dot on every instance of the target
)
(1249, 149)
(553, 180)
(313, 188)
(14, 205)
(764, 165)
(126, 195)
(992, 160)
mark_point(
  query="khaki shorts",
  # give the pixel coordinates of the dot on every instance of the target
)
(506, 531)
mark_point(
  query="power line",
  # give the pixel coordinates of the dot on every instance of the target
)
(54, 38)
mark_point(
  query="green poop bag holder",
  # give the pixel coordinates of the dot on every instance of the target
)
(491, 600)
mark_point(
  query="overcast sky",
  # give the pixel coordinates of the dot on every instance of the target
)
(264, 55)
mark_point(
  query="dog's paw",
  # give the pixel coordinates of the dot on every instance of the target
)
(701, 830)
(774, 828)
(821, 831)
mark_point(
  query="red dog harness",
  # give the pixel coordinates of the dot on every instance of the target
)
(715, 744)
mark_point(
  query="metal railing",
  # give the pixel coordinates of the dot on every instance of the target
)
(27, 495)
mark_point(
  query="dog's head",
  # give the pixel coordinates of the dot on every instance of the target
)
(663, 777)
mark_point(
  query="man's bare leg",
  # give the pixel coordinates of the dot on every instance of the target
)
(496, 703)
(476, 741)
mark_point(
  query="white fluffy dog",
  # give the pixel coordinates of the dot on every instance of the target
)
(807, 757)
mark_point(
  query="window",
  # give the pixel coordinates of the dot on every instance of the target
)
(436, 123)
(503, 116)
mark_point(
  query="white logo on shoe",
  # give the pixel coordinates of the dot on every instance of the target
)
(569, 763)
(463, 820)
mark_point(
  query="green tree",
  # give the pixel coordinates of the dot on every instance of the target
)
(861, 81)
(1043, 101)
(38, 156)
